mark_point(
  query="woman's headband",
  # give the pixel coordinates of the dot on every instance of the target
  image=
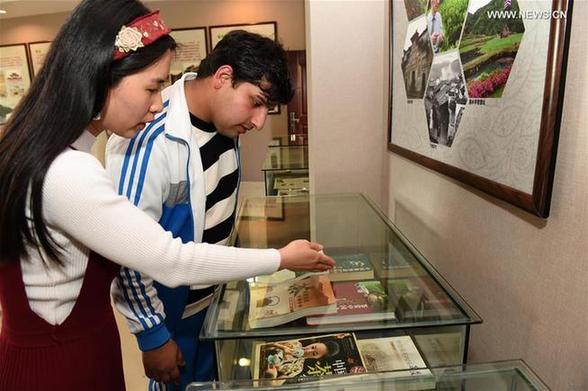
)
(141, 32)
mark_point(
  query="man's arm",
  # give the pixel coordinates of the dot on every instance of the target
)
(139, 170)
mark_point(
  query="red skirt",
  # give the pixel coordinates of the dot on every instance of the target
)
(83, 353)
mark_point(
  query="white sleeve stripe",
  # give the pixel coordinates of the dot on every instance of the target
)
(129, 284)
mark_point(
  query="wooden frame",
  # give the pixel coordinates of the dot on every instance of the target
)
(267, 29)
(37, 52)
(192, 48)
(515, 161)
(15, 77)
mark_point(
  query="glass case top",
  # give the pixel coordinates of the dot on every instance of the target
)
(380, 281)
(499, 376)
(289, 157)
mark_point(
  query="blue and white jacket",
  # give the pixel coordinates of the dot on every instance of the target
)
(160, 171)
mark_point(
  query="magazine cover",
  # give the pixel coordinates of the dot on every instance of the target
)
(398, 354)
(306, 359)
(360, 301)
(392, 354)
(274, 304)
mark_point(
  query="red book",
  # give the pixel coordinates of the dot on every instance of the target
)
(360, 301)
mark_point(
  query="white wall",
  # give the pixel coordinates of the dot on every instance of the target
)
(347, 79)
(527, 278)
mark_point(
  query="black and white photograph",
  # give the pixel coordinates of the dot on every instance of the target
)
(445, 99)
(417, 58)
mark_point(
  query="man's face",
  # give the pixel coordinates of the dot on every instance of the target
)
(239, 108)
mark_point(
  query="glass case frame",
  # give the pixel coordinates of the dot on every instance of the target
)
(512, 375)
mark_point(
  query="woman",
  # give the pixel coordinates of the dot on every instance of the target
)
(60, 218)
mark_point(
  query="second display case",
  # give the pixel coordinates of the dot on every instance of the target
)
(285, 170)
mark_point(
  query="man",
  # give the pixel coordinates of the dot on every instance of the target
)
(435, 26)
(183, 170)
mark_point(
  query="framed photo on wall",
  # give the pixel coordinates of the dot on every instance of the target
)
(476, 92)
(192, 48)
(267, 29)
(37, 53)
(15, 77)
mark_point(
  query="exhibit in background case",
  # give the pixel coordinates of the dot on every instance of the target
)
(285, 170)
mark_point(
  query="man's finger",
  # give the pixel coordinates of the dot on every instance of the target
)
(328, 260)
(180, 358)
(165, 378)
(175, 376)
(315, 246)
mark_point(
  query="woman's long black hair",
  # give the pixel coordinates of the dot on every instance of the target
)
(68, 92)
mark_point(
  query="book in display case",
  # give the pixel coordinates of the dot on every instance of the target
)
(400, 313)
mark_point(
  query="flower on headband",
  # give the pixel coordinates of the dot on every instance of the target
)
(129, 38)
(141, 32)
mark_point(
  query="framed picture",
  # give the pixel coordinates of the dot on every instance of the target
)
(267, 29)
(192, 48)
(15, 77)
(274, 110)
(476, 92)
(37, 53)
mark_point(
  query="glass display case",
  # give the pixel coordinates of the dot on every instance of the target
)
(285, 170)
(408, 307)
(512, 375)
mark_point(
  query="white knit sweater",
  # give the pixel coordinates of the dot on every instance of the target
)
(83, 212)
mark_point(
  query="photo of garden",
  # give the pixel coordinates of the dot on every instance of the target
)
(489, 46)
(445, 21)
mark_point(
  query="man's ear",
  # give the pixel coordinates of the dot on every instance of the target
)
(222, 75)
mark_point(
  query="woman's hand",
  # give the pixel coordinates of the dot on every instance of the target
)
(303, 255)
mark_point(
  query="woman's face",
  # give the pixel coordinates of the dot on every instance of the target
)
(136, 99)
(315, 350)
